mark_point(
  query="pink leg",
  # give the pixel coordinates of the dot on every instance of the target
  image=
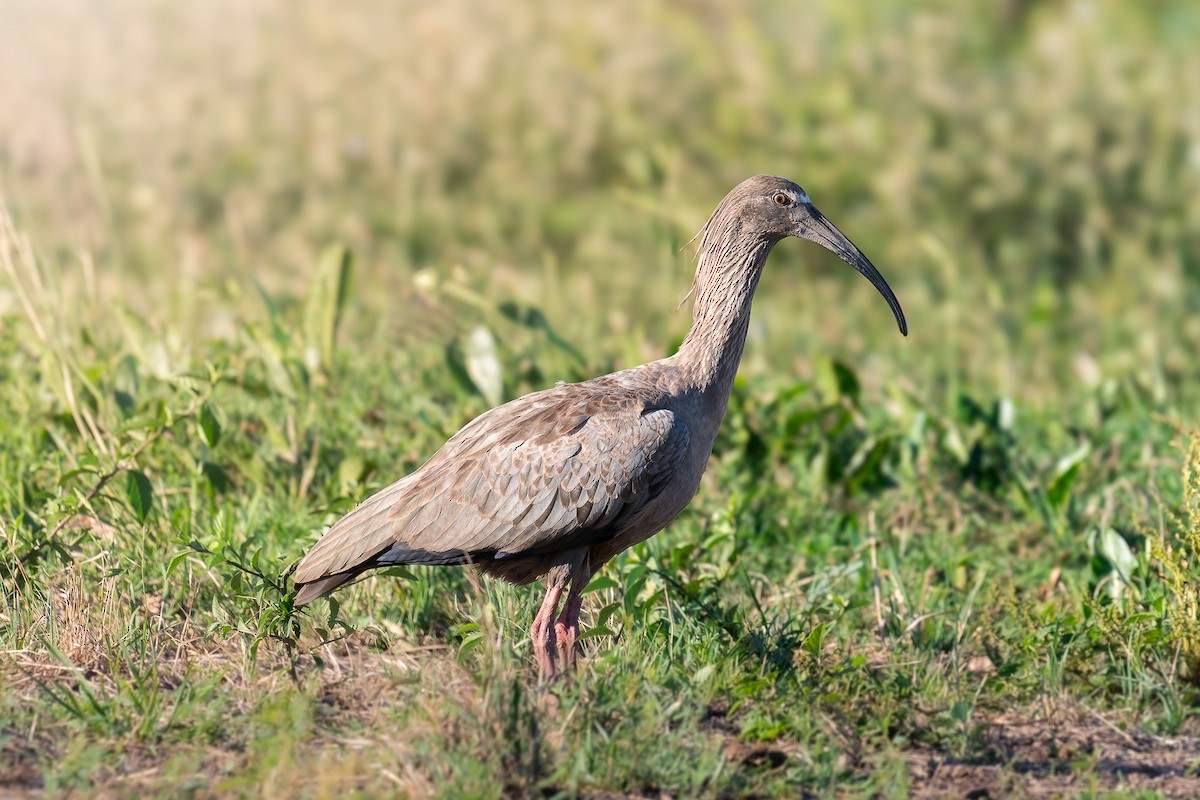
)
(543, 631)
(566, 629)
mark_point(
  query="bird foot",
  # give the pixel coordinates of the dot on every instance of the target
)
(548, 649)
(545, 646)
(566, 635)
(566, 627)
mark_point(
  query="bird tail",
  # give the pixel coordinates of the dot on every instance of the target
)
(321, 587)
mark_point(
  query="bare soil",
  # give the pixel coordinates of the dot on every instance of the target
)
(1027, 755)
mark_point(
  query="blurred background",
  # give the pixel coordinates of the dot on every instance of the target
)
(1024, 173)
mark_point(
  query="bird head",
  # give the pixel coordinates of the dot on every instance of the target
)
(777, 208)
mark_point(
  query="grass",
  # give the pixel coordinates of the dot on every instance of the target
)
(258, 260)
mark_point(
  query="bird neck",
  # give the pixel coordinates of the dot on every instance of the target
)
(726, 278)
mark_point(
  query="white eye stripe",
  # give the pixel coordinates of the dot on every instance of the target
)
(800, 195)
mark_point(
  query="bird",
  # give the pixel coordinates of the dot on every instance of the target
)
(552, 485)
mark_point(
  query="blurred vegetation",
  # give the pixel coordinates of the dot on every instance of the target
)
(1024, 173)
(259, 259)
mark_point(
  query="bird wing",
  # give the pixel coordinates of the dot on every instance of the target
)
(548, 471)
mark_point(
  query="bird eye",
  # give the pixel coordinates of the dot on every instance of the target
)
(782, 199)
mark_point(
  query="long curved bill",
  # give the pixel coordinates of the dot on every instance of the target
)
(820, 230)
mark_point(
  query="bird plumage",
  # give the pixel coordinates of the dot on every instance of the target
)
(548, 471)
(554, 484)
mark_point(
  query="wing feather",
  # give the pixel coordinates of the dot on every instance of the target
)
(548, 471)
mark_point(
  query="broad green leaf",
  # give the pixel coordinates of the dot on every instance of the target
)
(175, 561)
(217, 478)
(814, 643)
(210, 426)
(1112, 548)
(592, 633)
(599, 583)
(1065, 473)
(139, 493)
(482, 362)
(835, 379)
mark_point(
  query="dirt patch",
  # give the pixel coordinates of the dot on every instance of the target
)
(717, 723)
(21, 775)
(1029, 755)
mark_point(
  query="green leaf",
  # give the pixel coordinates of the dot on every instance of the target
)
(1110, 549)
(1059, 490)
(1115, 550)
(1065, 473)
(217, 477)
(801, 418)
(606, 614)
(327, 292)
(835, 379)
(69, 474)
(139, 493)
(533, 318)
(210, 427)
(600, 583)
(814, 643)
(175, 561)
(482, 362)
(598, 630)
(952, 441)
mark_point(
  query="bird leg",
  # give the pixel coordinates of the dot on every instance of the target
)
(543, 633)
(566, 629)
(555, 640)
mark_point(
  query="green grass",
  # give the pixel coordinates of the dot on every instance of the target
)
(258, 260)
